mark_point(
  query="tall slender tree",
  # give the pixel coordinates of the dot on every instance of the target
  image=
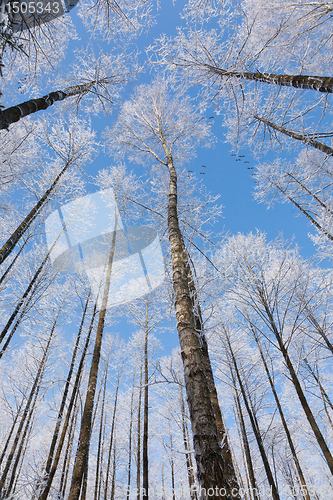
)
(166, 128)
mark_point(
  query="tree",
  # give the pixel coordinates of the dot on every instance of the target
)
(166, 128)
(18, 442)
(43, 46)
(305, 184)
(122, 186)
(266, 281)
(99, 78)
(76, 145)
(224, 64)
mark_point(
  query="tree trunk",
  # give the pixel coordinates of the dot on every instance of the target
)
(130, 444)
(15, 327)
(69, 448)
(301, 396)
(9, 246)
(10, 321)
(15, 113)
(210, 463)
(23, 442)
(319, 83)
(283, 420)
(138, 459)
(44, 494)
(82, 454)
(11, 432)
(65, 395)
(27, 408)
(172, 465)
(100, 437)
(299, 137)
(114, 468)
(230, 472)
(22, 459)
(189, 465)
(163, 481)
(145, 494)
(111, 438)
(254, 424)
(11, 265)
(247, 451)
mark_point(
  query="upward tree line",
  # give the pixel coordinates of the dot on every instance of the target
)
(269, 308)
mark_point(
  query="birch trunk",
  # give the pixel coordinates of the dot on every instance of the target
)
(27, 408)
(23, 443)
(15, 113)
(11, 265)
(172, 466)
(65, 394)
(111, 439)
(138, 456)
(301, 396)
(114, 468)
(44, 494)
(130, 444)
(298, 137)
(284, 422)
(145, 494)
(100, 438)
(210, 463)
(69, 448)
(11, 432)
(10, 244)
(230, 472)
(188, 458)
(318, 83)
(33, 283)
(246, 445)
(254, 424)
(82, 454)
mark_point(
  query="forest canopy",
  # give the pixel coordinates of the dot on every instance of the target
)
(166, 221)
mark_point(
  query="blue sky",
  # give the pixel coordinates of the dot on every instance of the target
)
(223, 175)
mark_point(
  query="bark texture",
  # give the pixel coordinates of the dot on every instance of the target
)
(208, 453)
(15, 113)
(318, 83)
(145, 416)
(82, 454)
(301, 396)
(10, 244)
(230, 472)
(299, 137)
(254, 424)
